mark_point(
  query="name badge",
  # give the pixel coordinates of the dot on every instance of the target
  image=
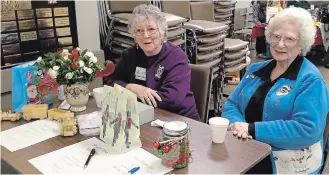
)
(140, 73)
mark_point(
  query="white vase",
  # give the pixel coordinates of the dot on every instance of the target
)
(77, 96)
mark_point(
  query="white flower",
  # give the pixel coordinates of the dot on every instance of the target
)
(69, 75)
(65, 52)
(89, 54)
(88, 70)
(93, 59)
(55, 68)
(81, 63)
(52, 73)
(39, 59)
(78, 49)
(66, 57)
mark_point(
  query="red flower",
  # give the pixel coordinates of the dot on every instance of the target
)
(76, 56)
(73, 66)
(78, 64)
(75, 50)
(70, 56)
(59, 52)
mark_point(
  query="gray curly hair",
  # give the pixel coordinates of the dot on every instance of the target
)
(147, 12)
(307, 29)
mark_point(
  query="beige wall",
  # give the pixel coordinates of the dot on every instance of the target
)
(87, 24)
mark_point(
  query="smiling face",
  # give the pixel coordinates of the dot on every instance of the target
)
(148, 37)
(284, 41)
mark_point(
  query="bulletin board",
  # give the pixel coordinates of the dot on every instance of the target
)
(31, 28)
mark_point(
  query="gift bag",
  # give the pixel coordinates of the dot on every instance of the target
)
(25, 81)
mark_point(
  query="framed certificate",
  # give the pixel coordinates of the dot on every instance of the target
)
(25, 14)
(61, 11)
(62, 21)
(44, 12)
(8, 26)
(48, 33)
(10, 49)
(8, 15)
(66, 31)
(44, 23)
(66, 41)
(48, 43)
(28, 36)
(26, 24)
(9, 38)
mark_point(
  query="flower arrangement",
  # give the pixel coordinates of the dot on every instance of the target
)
(70, 66)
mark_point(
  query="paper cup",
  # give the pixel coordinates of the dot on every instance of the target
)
(218, 127)
(99, 96)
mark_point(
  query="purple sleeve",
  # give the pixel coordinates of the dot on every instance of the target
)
(120, 75)
(176, 84)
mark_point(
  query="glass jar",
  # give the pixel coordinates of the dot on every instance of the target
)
(173, 147)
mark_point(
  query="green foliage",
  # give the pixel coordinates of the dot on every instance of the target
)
(69, 66)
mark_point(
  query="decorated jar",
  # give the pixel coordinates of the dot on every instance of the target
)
(173, 147)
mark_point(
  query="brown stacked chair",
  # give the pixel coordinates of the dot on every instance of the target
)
(205, 40)
(121, 39)
(224, 13)
(201, 75)
(243, 26)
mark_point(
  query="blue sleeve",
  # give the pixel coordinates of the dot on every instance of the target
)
(231, 109)
(308, 120)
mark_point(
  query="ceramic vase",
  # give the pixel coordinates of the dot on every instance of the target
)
(77, 96)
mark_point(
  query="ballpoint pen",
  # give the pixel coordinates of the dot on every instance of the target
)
(92, 153)
(134, 170)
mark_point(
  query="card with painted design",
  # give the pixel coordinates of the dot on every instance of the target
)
(108, 113)
(131, 124)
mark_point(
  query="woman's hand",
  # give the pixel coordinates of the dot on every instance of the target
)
(145, 94)
(240, 130)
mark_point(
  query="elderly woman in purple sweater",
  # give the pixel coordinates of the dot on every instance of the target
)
(154, 69)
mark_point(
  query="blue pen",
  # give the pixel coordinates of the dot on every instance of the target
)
(134, 170)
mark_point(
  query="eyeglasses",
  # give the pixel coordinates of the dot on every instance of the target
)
(288, 41)
(149, 31)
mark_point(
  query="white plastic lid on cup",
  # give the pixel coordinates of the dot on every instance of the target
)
(219, 121)
(98, 95)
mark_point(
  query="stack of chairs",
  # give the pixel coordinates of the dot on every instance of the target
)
(121, 39)
(243, 26)
(236, 57)
(224, 13)
(205, 43)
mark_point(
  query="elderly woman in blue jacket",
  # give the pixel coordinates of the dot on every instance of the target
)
(283, 102)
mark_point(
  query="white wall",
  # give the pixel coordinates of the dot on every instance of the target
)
(242, 4)
(87, 24)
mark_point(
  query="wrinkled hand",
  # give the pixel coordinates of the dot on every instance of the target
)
(240, 130)
(145, 94)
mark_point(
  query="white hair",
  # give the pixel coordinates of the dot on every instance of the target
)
(147, 12)
(307, 28)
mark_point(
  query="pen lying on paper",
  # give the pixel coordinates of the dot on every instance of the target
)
(92, 153)
(134, 170)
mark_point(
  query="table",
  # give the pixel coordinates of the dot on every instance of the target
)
(234, 156)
